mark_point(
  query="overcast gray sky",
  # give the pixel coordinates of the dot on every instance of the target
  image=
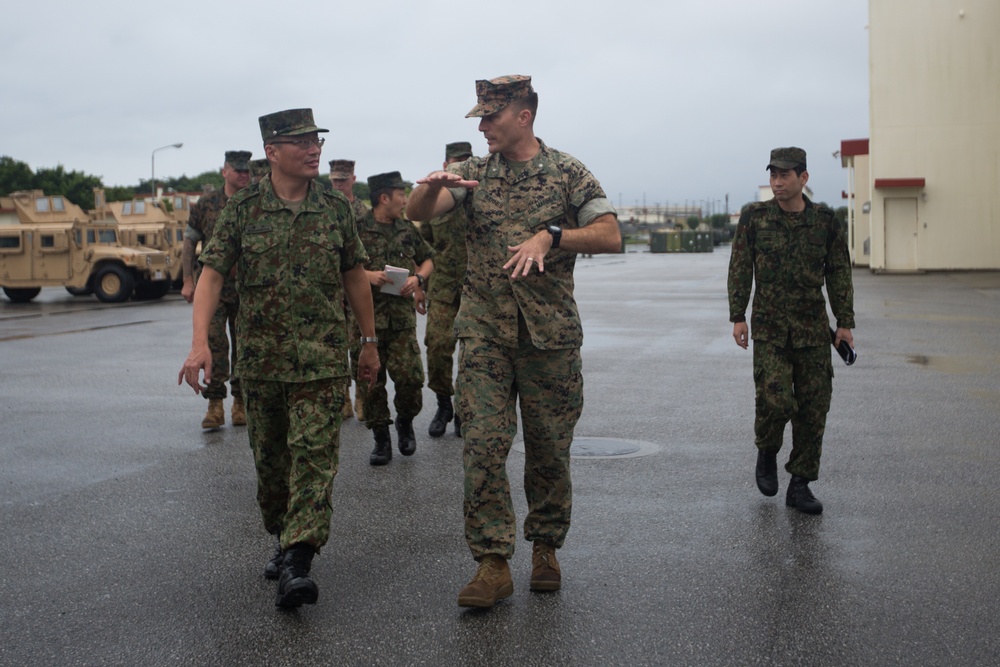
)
(670, 100)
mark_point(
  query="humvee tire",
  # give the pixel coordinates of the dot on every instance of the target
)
(21, 294)
(113, 284)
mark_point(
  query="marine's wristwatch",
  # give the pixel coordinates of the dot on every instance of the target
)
(421, 281)
(556, 232)
(369, 339)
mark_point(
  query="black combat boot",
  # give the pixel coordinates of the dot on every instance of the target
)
(801, 498)
(767, 472)
(273, 568)
(382, 453)
(407, 440)
(295, 588)
(441, 418)
(458, 425)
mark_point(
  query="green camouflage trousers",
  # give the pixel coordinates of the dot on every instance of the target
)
(439, 339)
(223, 356)
(549, 386)
(399, 359)
(793, 384)
(295, 437)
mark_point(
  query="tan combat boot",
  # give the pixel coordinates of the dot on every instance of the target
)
(545, 574)
(216, 415)
(491, 583)
(239, 412)
(346, 409)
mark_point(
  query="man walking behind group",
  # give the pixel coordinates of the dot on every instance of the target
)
(391, 240)
(531, 210)
(791, 247)
(342, 178)
(201, 225)
(298, 252)
(446, 234)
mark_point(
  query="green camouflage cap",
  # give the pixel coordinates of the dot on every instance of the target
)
(495, 94)
(239, 160)
(390, 179)
(259, 168)
(341, 169)
(787, 158)
(459, 149)
(288, 123)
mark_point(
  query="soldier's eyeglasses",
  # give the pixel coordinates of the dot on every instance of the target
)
(304, 144)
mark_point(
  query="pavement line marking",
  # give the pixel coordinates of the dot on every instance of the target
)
(73, 331)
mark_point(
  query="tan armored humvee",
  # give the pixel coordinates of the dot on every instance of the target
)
(142, 225)
(48, 241)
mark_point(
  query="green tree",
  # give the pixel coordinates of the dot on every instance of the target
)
(76, 186)
(361, 191)
(692, 222)
(14, 175)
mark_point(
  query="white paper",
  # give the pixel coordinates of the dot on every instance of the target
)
(398, 277)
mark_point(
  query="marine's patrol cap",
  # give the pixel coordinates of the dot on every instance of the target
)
(787, 158)
(259, 168)
(495, 94)
(341, 169)
(288, 123)
(388, 180)
(239, 160)
(459, 149)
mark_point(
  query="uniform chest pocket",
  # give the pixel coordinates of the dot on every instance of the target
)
(812, 256)
(769, 247)
(260, 261)
(319, 259)
(550, 212)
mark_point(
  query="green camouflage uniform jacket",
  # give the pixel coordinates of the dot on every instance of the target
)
(506, 209)
(446, 234)
(791, 261)
(291, 321)
(398, 244)
(201, 225)
(359, 208)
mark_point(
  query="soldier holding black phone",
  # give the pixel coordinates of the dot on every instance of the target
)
(791, 247)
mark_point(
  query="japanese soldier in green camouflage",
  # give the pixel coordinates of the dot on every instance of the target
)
(204, 215)
(296, 252)
(790, 247)
(259, 169)
(530, 210)
(392, 240)
(446, 234)
(342, 178)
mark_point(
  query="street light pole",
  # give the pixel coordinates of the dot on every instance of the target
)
(152, 179)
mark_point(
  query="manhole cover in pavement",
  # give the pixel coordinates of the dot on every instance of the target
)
(603, 448)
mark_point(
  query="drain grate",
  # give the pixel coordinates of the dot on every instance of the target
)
(603, 448)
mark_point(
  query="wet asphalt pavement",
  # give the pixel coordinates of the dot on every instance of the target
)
(131, 537)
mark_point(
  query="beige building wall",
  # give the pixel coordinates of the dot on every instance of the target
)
(935, 134)
(854, 158)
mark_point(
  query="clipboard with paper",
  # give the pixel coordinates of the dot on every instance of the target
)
(398, 277)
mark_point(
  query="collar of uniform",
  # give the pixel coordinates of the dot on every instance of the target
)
(539, 164)
(269, 200)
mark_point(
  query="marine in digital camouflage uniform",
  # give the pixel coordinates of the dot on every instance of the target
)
(342, 178)
(296, 250)
(394, 241)
(446, 234)
(792, 248)
(531, 209)
(201, 224)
